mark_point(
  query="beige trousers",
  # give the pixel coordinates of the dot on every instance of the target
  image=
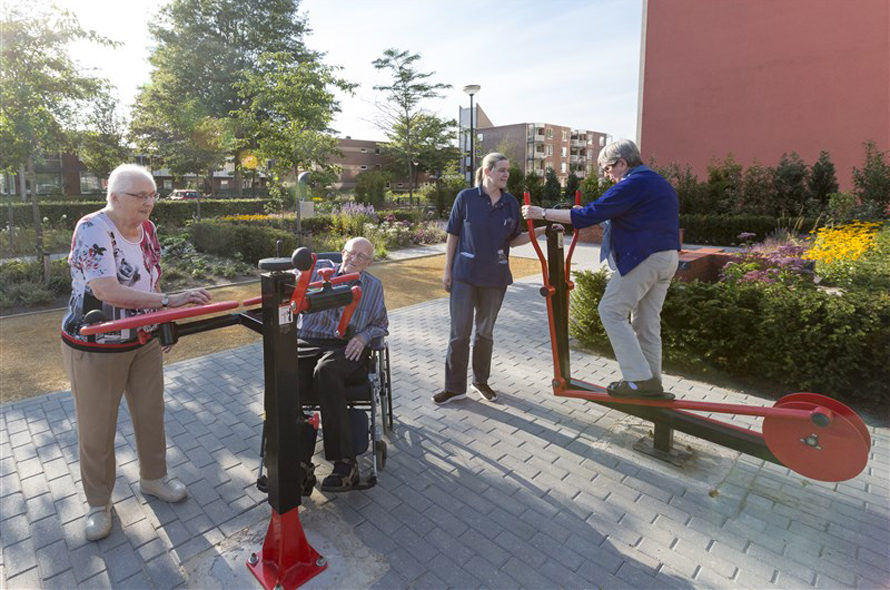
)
(631, 314)
(98, 380)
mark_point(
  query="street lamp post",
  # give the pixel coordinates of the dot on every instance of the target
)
(472, 89)
(302, 184)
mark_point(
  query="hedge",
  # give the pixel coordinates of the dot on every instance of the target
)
(166, 212)
(801, 339)
(723, 230)
(249, 242)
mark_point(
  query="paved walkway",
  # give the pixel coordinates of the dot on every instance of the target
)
(534, 491)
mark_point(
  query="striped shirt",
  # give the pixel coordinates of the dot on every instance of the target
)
(369, 321)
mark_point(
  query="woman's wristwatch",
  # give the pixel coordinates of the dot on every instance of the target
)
(544, 214)
(165, 300)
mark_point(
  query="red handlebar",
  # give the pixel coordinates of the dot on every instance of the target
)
(157, 317)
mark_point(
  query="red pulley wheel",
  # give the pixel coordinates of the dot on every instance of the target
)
(837, 451)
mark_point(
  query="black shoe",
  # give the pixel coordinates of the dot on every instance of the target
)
(647, 389)
(485, 392)
(445, 396)
(344, 478)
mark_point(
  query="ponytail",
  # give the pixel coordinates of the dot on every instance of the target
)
(488, 163)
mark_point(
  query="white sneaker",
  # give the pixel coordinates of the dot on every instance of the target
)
(168, 489)
(97, 522)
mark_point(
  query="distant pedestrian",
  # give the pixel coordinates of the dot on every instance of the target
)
(641, 241)
(485, 223)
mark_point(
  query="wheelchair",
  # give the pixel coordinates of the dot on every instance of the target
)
(369, 401)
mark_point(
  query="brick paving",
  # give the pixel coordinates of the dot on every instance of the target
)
(534, 491)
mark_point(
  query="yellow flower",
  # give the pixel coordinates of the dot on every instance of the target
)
(846, 242)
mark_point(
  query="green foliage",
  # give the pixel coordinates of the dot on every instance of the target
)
(573, 183)
(250, 242)
(22, 284)
(516, 181)
(370, 187)
(821, 183)
(802, 339)
(723, 185)
(872, 184)
(552, 188)
(414, 136)
(592, 188)
(101, 147)
(791, 179)
(842, 207)
(724, 230)
(534, 184)
(351, 218)
(442, 194)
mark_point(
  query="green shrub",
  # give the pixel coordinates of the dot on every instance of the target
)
(65, 214)
(21, 283)
(251, 242)
(802, 339)
(724, 230)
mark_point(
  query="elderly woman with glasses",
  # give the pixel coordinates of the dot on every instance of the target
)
(641, 240)
(115, 268)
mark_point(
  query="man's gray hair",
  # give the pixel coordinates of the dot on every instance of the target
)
(121, 177)
(621, 149)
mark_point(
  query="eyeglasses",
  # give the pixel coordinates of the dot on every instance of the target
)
(357, 255)
(146, 197)
(608, 167)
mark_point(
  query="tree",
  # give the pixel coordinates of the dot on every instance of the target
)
(723, 185)
(101, 146)
(821, 183)
(516, 181)
(434, 146)
(758, 192)
(534, 184)
(872, 183)
(573, 183)
(204, 49)
(552, 188)
(41, 91)
(791, 185)
(370, 187)
(289, 106)
(401, 114)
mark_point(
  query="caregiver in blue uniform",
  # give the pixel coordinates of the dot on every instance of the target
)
(485, 222)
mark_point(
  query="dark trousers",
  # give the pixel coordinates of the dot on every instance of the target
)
(466, 301)
(329, 377)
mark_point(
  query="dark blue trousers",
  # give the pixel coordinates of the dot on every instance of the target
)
(466, 302)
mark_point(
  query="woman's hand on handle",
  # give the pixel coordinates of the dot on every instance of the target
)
(196, 296)
(532, 212)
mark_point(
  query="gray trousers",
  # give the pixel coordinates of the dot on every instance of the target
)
(465, 301)
(631, 314)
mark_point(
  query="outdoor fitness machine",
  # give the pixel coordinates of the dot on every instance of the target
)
(286, 559)
(812, 434)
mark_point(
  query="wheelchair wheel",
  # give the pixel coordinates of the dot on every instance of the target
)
(380, 453)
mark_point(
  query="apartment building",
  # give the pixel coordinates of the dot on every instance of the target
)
(362, 155)
(538, 146)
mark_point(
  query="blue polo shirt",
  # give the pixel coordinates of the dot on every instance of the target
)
(485, 232)
(645, 215)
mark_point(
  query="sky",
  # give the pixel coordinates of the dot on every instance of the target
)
(565, 62)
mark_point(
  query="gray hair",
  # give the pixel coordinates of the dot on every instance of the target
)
(488, 163)
(360, 240)
(121, 177)
(622, 149)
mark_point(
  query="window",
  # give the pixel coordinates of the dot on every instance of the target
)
(168, 184)
(224, 184)
(549, 133)
(565, 135)
(363, 167)
(564, 152)
(376, 150)
(89, 183)
(562, 167)
(479, 137)
(364, 150)
(602, 141)
(549, 150)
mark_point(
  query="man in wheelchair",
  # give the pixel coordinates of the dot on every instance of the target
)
(339, 360)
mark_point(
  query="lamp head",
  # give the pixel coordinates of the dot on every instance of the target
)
(472, 89)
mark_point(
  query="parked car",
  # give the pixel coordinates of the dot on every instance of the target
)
(181, 194)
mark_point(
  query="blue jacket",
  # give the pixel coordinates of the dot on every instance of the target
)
(645, 214)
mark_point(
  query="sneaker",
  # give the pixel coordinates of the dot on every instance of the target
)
(647, 389)
(97, 522)
(444, 396)
(168, 489)
(344, 477)
(485, 392)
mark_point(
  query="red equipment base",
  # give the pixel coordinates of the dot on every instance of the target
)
(835, 452)
(287, 560)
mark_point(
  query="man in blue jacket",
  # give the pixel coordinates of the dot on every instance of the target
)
(641, 240)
